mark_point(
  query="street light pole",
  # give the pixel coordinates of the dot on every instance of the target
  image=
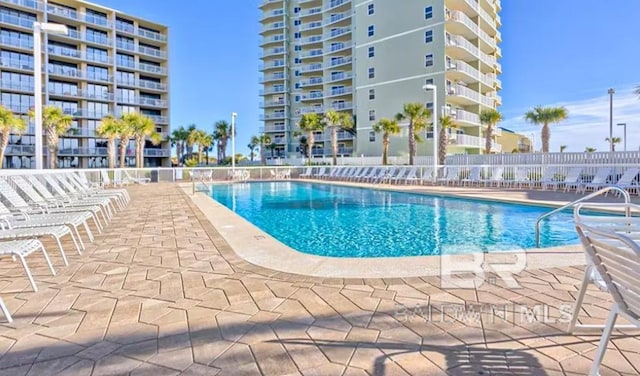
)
(233, 143)
(611, 92)
(38, 29)
(625, 134)
(434, 114)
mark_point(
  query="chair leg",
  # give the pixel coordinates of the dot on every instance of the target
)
(79, 237)
(580, 298)
(5, 311)
(88, 230)
(604, 340)
(75, 242)
(28, 272)
(64, 256)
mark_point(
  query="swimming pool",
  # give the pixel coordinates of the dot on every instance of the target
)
(339, 221)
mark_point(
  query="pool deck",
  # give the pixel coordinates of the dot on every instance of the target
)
(161, 292)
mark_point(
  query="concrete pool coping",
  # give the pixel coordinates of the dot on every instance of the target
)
(259, 248)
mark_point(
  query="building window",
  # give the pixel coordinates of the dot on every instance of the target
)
(428, 36)
(372, 136)
(372, 115)
(372, 51)
(370, 30)
(429, 81)
(372, 94)
(297, 60)
(297, 48)
(429, 106)
(297, 35)
(428, 60)
(296, 10)
(372, 72)
(428, 12)
(371, 9)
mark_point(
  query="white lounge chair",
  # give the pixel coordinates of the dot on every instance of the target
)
(628, 180)
(409, 176)
(474, 177)
(520, 177)
(547, 176)
(599, 181)
(117, 197)
(108, 201)
(321, 173)
(451, 176)
(306, 174)
(21, 249)
(495, 178)
(571, 178)
(101, 206)
(138, 180)
(425, 177)
(616, 258)
(92, 187)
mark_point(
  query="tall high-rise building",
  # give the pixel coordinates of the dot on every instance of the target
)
(108, 63)
(368, 58)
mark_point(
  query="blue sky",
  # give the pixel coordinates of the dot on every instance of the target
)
(555, 52)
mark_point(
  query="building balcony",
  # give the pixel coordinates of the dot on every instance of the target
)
(341, 106)
(273, 52)
(335, 18)
(313, 81)
(311, 68)
(158, 119)
(273, 116)
(25, 44)
(17, 64)
(17, 86)
(24, 23)
(459, 47)
(272, 77)
(336, 62)
(279, 38)
(272, 128)
(105, 96)
(310, 12)
(272, 90)
(276, 13)
(315, 53)
(151, 35)
(465, 96)
(311, 40)
(474, 142)
(338, 47)
(340, 136)
(70, 14)
(342, 76)
(271, 65)
(315, 95)
(152, 52)
(309, 26)
(333, 4)
(462, 117)
(459, 70)
(85, 113)
(309, 110)
(337, 33)
(150, 68)
(274, 26)
(30, 4)
(339, 92)
(268, 104)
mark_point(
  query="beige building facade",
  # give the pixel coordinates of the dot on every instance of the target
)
(108, 63)
(368, 58)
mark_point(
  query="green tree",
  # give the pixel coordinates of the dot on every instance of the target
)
(337, 120)
(614, 141)
(272, 147)
(9, 123)
(110, 128)
(202, 140)
(252, 146)
(188, 145)
(125, 135)
(417, 115)
(222, 134)
(563, 148)
(142, 127)
(446, 123)
(179, 140)
(590, 149)
(489, 117)
(263, 141)
(55, 123)
(310, 123)
(544, 116)
(389, 128)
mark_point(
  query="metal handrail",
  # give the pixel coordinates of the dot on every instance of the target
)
(627, 199)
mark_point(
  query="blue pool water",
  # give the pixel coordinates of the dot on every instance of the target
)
(337, 221)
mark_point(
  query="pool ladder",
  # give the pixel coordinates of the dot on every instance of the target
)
(627, 200)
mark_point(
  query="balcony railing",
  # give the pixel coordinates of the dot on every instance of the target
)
(33, 4)
(340, 76)
(341, 106)
(273, 103)
(335, 3)
(340, 61)
(151, 68)
(338, 47)
(311, 39)
(272, 77)
(311, 68)
(25, 43)
(465, 116)
(159, 119)
(340, 91)
(17, 86)
(462, 91)
(311, 109)
(336, 18)
(309, 26)
(17, 21)
(80, 16)
(311, 82)
(337, 32)
(152, 52)
(311, 96)
(16, 64)
(272, 116)
(310, 12)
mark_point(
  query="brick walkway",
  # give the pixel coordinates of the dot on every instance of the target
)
(161, 293)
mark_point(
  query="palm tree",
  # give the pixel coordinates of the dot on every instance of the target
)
(188, 145)
(563, 148)
(310, 123)
(613, 141)
(222, 135)
(590, 149)
(202, 140)
(110, 129)
(263, 141)
(545, 116)
(9, 123)
(125, 134)
(417, 115)
(446, 122)
(252, 145)
(489, 117)
(272, 147)
(388, 128)
(179, 140)
(334, 120)
(55, 123)
(141, 127)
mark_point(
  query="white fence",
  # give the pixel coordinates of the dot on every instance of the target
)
(602, 158)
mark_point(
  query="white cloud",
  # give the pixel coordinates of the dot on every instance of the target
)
(588, 123)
